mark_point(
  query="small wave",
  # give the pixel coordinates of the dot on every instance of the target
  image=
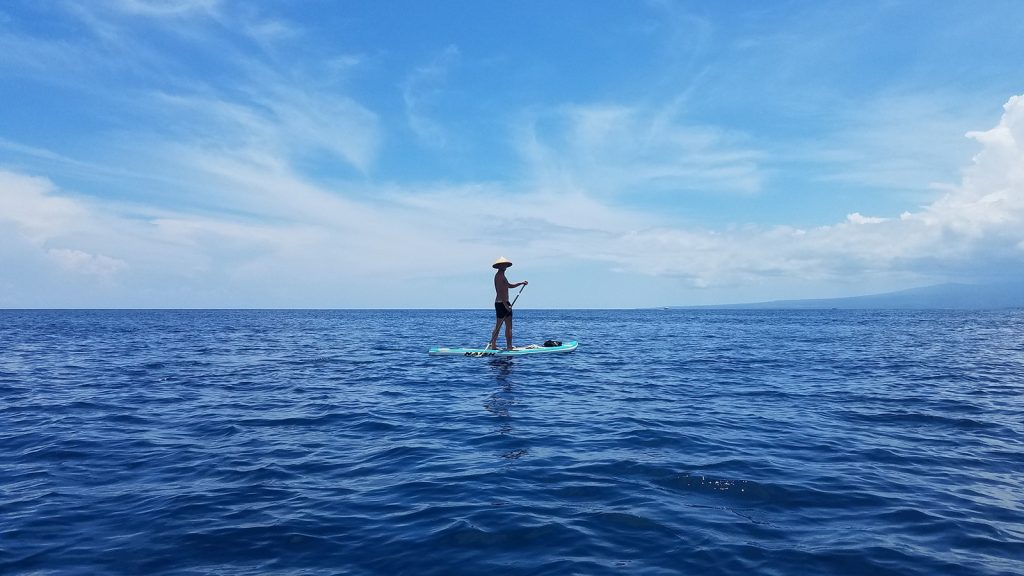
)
(325, 419)
(904, 418)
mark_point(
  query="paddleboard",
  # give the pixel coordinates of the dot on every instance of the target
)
(524, 351)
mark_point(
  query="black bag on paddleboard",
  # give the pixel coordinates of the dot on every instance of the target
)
(551, 343)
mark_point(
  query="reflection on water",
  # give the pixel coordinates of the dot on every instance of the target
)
(501, 401)
(502, 366)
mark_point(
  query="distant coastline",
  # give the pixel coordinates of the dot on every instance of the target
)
(949, 296)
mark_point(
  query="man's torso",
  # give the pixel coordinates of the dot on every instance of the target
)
(500, 287)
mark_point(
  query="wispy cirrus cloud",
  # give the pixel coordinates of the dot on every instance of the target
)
(902, 142)
(238, 101)
(622, 150)
(421, 90)
(274, 120)
(165, 8)
(245, 19)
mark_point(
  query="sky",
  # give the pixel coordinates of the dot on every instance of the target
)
(344, 154)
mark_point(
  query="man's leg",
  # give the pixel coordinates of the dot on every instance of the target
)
(508, 332)
(494, 335)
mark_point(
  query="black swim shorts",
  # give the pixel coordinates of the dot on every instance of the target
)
(500, 310)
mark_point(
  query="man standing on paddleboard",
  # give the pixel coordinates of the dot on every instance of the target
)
(502, 307)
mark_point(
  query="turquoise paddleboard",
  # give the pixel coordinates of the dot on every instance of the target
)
(533, 349)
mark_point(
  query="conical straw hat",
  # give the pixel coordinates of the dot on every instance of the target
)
(501, 262)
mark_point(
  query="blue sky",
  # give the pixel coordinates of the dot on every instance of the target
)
(214, 153)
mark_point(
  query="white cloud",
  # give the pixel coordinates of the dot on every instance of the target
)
(421, 91)
(85, 263)
(281, 123)
(616, 150)
(33, 208)
(990, 202)
(980, 221)
(47, 222)
(858, 218)
(166, 8)
(305, 242)
(896, 141)
(247, 212)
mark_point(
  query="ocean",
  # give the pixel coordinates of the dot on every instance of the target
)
(671, 442)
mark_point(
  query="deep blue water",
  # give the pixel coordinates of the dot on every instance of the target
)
(693, 442)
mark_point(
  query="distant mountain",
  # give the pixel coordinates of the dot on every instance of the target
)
(940, 296)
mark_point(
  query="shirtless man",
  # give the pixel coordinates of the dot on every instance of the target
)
(502, 307)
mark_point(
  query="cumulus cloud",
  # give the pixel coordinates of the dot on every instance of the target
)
(32, 206)
(990, 201)
(38, 214)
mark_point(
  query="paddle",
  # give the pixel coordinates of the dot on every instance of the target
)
(517, 296)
